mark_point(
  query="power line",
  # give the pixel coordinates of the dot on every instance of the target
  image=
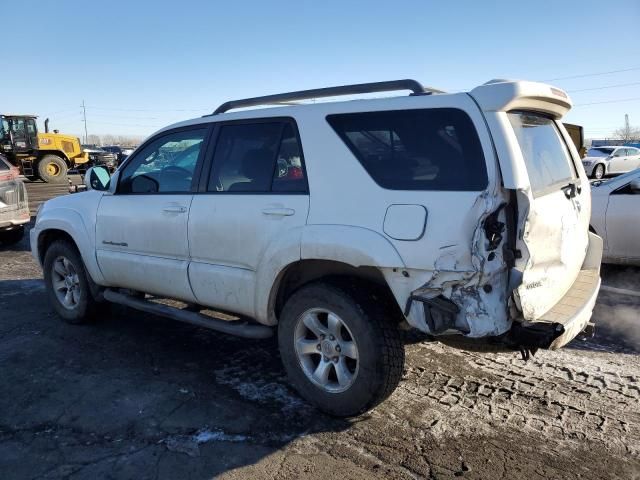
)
(129, 124)
(592, 74)
(608, 101)
(604, 87)
(149, 109)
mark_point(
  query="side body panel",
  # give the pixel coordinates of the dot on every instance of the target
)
(237, 241)
(141, 243)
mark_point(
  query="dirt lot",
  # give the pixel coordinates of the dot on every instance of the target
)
(136, 396)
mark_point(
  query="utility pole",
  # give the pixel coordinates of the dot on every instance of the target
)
(84, 114)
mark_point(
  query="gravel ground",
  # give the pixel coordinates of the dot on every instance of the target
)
(137, 396)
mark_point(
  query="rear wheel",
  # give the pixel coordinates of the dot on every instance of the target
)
(598, 171)
(339, 350)
(9, 237)
(67, 283)
(52, 169)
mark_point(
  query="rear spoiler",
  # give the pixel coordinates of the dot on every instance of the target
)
(504, 96)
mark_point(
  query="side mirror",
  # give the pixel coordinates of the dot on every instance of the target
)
(634, 186)
(97, 178)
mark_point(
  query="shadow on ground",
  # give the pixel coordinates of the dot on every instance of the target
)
(133, 394)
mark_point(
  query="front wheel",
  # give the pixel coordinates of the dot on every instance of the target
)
(52, 169)
(67, 283)
(598, 171)
(339, 350)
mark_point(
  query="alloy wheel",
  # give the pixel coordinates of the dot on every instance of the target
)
(326, 350)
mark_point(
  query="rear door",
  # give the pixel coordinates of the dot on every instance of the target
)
(618, 162)
(141, 230)
(556, 230)
(253, 201)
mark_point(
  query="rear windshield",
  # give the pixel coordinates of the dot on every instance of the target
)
(545, 153)
(599, 152)
(430, 149)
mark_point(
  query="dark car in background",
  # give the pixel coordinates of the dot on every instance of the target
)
(121, 152)
(101, 157)
(14, 206)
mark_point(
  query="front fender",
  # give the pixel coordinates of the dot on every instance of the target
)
(72, 223)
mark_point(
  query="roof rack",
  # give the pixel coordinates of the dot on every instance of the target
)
(359, 88)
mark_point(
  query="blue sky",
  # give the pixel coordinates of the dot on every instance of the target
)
(142, 65)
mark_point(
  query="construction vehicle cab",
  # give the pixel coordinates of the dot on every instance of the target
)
(47, 156)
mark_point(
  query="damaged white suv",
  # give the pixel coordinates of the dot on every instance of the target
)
(336, 224)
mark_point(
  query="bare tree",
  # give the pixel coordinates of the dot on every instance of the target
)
(628, 133)
(93, 139)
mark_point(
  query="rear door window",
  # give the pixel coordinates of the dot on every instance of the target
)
(545, 153)
(426, 149)
(259, 157)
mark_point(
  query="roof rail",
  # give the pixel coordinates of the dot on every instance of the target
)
(359, 88)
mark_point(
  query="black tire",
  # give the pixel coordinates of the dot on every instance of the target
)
(379, 346)
(86, 305)
(598, 171)
(11, 237)
(52, 169)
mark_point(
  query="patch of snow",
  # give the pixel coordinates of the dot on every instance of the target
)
(260, 390)
(204, 436)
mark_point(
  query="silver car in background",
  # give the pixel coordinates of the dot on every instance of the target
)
(610, 160)
(14, 206)
(615, 204)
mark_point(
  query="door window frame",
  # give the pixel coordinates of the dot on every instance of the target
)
(208, 165)
(208, 127)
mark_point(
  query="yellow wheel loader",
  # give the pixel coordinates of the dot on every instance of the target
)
(47, 156)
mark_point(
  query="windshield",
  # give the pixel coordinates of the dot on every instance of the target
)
(599, 152)
(545, 153)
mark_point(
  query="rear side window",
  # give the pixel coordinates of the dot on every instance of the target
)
(257, 158)
(545, 153)
(430, 149)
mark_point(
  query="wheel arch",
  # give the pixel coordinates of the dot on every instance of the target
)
(298, 274)
(58, 153)
(68, 226)
(320, 251)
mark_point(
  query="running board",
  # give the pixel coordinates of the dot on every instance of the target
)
(238, 328)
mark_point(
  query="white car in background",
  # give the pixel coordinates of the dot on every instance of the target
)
(601, 161)
(615, 204)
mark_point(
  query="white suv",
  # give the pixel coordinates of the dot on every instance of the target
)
(462, 215)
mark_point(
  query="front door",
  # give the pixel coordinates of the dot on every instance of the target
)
(623, 234)
(617, 164)
(253, 206)
(141, 230)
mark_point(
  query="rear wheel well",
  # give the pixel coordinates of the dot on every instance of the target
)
(46, 238)
(304, 272)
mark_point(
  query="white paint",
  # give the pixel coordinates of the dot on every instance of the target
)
(226, 251)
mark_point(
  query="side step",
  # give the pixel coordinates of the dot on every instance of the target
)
(238, 328)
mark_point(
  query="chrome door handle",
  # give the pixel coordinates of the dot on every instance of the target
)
(174, 209)
(283, 212)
